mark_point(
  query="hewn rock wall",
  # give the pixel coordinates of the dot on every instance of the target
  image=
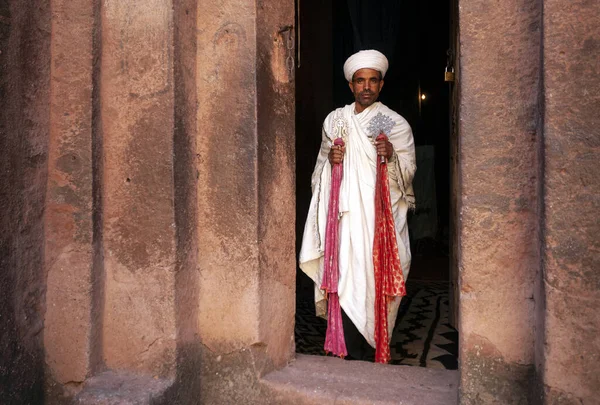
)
(68, 222)
(138, 220)
(529, 245)
(24, 118)
(109, 220)
(238, 145)
(571, 251)
(130, 132)
(499, 136)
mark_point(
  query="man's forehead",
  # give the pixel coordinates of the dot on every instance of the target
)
(366, 73)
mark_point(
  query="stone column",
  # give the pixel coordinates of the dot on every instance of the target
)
(498, 260)
(276, 178)
(227, 170)
(68, 216)
(136, 90)
(571, 250)
(243, 173)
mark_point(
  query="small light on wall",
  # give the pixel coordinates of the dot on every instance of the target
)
(423, 96)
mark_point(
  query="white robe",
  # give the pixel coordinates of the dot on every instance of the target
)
(356, 287)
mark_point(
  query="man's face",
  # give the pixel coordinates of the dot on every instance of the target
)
(366, 85)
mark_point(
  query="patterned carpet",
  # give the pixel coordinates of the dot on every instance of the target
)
(422, 336)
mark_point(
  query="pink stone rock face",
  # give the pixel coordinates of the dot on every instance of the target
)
(327, 380)
(245, 177)
(571, 353)
(237, 152)
(136, 78)
(498, 259)
(276, 179)
(112, 237)
(227, 175)
(68, 215)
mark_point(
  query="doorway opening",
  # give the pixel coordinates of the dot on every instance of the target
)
(419, 39)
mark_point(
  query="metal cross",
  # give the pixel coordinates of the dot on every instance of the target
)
(378, 124)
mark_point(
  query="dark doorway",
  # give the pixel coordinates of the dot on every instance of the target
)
(417, 37)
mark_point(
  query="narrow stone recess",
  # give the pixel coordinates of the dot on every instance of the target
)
(98, 272)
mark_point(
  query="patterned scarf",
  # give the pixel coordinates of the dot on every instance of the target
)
(389, 280)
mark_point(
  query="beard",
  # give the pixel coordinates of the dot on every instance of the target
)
(366, 98)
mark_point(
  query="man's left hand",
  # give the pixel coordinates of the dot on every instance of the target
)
(384, 148)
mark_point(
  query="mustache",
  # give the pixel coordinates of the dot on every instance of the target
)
(366, 92)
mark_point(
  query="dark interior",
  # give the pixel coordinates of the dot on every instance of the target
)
(415, 36)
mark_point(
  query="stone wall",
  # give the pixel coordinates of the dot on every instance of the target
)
(109, 220)
(528, 230)
(130, 132)
(570, 354)
(138, 224)
(68, 226)
(499, 137)
(239, 148)
(24, 118)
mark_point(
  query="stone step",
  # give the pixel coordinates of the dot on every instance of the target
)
(121, 388)
(326, 380)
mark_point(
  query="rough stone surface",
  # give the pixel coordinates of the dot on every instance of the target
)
(234, 137)
(276, 181)
(24, 117)
(188, 384)
(245, 176)
(68, 215)
(571, 351)
(110, 388)
(136, 79)
(232, 378)
(227, 175)
(481, 370)
(212, 378)
(185, 180)
(327, 380)
(499, 131)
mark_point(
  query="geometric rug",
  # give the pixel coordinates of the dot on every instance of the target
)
(422, 336)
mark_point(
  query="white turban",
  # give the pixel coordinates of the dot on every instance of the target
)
(370, 59)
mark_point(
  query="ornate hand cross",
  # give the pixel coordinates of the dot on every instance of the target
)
(380, 124)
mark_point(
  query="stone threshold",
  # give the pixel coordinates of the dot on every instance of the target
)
(121, 388)
(328, 380)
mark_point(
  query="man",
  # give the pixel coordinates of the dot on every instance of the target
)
(354, 123)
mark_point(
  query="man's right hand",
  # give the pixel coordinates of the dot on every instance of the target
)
(336, 154)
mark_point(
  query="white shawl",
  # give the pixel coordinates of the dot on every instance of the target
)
(356, 287)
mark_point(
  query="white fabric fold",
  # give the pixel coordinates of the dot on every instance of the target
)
(356, 288)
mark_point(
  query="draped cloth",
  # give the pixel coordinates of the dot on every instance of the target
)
(389, 280)
(334, 338)
(356, 213)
